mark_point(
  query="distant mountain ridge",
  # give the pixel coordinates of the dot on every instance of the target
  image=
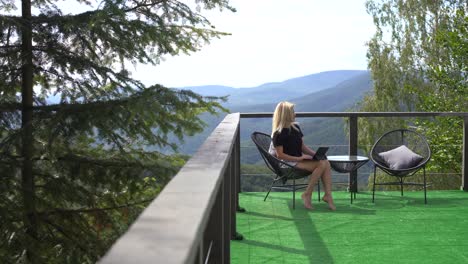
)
(277, 91)
(210, 90)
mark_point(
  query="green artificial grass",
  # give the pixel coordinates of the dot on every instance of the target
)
(393, 230)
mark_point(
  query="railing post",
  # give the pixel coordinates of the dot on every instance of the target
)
(226, 220)
(353, 143)
(234, 197)
(464, 186)
(213, 237)
(200, 253)
(236, 185)
(237, 157)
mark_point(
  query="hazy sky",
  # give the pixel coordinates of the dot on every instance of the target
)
(271, 41)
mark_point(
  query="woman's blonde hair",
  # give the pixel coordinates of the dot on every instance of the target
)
(283, 117)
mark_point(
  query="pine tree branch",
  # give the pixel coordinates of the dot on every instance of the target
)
(13, 159)
(10, 107)
(95, 106)
(4, 69)
(15, 21)
(79, 159)
(98, 73)
(100, 162)
(142, 5)
(63, 232)
(80, 107)
(7, 46)
(93, 210)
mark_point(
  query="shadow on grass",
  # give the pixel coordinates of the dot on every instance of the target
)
(306, 245)
(270, 216)
(314, 247)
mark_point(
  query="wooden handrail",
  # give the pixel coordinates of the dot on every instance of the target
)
(195, 209)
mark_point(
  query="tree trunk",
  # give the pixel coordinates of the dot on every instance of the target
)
(30, 217)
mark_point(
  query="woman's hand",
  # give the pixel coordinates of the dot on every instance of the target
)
(306, 157)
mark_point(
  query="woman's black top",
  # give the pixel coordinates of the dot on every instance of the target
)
(290, 139)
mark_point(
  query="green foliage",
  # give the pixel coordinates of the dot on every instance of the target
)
(74, 175)
(418, 60)
(449, 94)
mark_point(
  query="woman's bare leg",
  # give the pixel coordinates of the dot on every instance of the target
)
(307, 194)
(327, 182)
(317, 171)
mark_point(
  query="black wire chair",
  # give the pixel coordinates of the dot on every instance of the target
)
(282, 170)
(415, 142)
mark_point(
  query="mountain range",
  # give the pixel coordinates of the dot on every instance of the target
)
(277, 91)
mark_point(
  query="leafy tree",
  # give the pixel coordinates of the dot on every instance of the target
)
(448, 94)
(75, 173)
(417, 58)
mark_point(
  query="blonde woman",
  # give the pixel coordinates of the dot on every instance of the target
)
(289, 146)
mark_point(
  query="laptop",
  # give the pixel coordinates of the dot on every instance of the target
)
(320, 153)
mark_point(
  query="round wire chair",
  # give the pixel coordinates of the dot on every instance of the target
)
(282, 170)
(414, 141)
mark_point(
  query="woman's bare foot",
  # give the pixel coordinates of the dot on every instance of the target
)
(307, 202)
(329, 201)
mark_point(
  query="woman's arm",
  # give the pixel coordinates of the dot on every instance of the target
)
(307, 150)
(283, 156)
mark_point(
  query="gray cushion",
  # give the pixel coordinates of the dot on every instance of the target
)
(401, 158)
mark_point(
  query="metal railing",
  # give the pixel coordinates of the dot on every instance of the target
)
(353, 129)
(193, 218)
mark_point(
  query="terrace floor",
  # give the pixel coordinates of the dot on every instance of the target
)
(393, 230)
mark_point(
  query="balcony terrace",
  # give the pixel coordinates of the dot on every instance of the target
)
(197, 217)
